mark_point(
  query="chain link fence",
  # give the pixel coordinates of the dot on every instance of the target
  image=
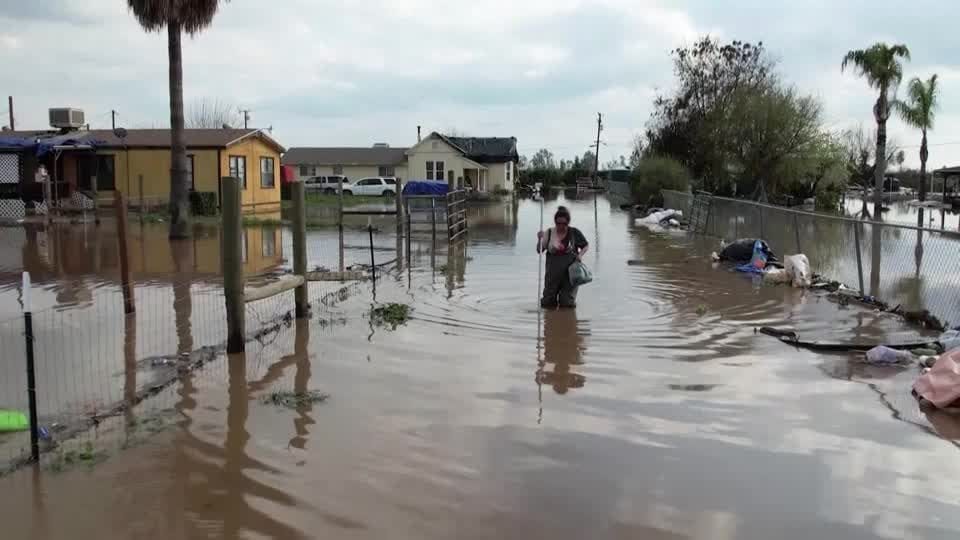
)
(916, 269)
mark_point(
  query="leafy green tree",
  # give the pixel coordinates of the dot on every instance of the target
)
(881, 66)
(919, 111)
(543, 159)
(177, 16)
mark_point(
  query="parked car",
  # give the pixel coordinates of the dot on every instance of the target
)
(326, 184)
(375, 185)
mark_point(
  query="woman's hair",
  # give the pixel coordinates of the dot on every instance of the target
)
(562, 212)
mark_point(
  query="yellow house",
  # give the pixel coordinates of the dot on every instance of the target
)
(138, 164)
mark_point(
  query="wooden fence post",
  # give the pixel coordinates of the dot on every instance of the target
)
(120, 207)
(399, 203)
(232, 264)
(300, 247)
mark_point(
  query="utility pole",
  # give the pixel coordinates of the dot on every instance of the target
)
(596, 154)
(13, 124)
(113, 119)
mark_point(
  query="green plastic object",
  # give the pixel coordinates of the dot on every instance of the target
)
(13, 421)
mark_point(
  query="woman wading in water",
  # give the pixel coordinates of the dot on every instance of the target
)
(564, 245)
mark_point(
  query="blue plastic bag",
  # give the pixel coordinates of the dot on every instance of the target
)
(758, 262)
(579, 274)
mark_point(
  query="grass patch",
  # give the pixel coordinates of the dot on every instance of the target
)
(85, 456)
(294, 400)
(254, 220)
(320, 199)
(702, 310)
(392, 315)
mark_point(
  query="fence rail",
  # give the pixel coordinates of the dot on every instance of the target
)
(899, 264)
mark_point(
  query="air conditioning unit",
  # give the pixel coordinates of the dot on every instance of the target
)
(65, 117)
(381, 145)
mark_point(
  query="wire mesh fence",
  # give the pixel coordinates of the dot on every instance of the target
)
(93, 362)
(900, 265)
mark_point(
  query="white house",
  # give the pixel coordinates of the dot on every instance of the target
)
(484, 164)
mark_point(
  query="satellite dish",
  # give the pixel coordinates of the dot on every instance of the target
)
(120, 132)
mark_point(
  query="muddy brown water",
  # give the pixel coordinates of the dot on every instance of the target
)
(653, 410)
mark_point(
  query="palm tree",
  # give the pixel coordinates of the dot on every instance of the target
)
(880, 65)
(177, 16)
(919, 111)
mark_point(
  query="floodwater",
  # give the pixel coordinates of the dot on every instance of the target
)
(652, 410)
(902, 211)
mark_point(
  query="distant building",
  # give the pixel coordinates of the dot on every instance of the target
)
(481, 163)
(352, 162)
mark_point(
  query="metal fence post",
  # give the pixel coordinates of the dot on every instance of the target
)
(340, 219)
(796, 230)
(408, 232)
(232, 263)
(31, 370)
(856, 239)
(300, 248)
(373, 263)
(762, 233)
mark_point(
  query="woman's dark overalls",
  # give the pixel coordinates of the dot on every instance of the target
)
(557, 290)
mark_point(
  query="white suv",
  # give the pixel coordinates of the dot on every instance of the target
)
(374, 185)
(325, 184)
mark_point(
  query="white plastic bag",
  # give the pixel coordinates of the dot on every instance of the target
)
(776, 276)
(579, 274)
(881, 355)
(798, 267)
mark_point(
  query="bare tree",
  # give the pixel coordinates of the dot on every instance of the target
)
(210, 113)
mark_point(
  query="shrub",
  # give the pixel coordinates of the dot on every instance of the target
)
(654, 174)
(203, 203)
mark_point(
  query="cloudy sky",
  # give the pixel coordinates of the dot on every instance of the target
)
(332, 73)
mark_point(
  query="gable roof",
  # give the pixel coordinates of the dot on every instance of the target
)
(158, 138)
(484, 149)
(374, 156)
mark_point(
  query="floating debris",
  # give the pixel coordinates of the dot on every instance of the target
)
(293, 400)
(392, 315)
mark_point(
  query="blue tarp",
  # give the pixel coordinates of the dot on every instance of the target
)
(42, 145)
(426, 187)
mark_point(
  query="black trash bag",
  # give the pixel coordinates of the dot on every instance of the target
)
(741, 251)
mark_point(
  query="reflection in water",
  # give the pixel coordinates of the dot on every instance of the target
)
(563, 347)
(182, 301)
(222, 496)
(301, 384)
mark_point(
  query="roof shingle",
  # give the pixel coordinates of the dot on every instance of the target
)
(373, 156)
(196, 138)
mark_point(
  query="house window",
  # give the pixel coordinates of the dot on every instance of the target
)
(269, 246)
(434, 170)
(190, 179)
(266, 173)
(337, 169)
(100, 167)
(304, 171)
(385, 170)
(243, 245)
(509, 168)
(238, 169)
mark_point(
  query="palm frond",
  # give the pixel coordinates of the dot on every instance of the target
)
(192, 15)
(919, 109)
